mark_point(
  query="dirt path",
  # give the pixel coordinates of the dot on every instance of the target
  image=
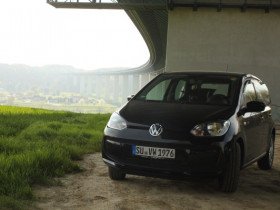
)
(93, 189)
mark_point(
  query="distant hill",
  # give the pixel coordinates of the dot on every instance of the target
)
(19, 78)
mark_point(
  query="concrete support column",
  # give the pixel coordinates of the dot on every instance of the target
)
(144, 79)
(112, 87)
(82, 84)
(229, 40)
(88, 85)
(124, 88)
(75, 83)
(97, 87)
(88, 90)
(130, 85)
(107, 88)
(135, 84)
(91, 85)
(102, 86)
(78, 82)
(151, 76)
(116, 89)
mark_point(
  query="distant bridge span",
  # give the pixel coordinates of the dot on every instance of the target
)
(222, 35)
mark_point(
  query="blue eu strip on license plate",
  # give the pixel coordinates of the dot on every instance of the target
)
(134, 150)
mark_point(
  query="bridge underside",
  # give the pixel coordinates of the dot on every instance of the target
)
(223, 35)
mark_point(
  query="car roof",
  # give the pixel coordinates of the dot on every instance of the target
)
(206, 73)
(218, 73)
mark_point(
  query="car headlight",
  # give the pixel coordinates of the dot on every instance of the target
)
(117, 122)
(218, 128)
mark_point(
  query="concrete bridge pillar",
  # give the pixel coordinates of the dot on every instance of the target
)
(135, 83)
(144, 80)
(107, 87)
(116, 89)
(104, 86)
(94, 86)
(75, 83)
(125, 84)
(82, 84)
(88, 85)
(97, 87)
(130, 84)
(229, 40)
(152, 76)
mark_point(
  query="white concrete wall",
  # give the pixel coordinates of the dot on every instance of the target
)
(226, 41)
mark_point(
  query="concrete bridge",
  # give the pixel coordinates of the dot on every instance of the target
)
(220, 35)
(113, 88)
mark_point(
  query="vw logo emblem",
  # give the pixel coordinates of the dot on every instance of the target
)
(155, 129)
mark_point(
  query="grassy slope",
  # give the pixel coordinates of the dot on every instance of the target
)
(36, 145)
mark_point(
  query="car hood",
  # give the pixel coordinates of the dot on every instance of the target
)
(176, 119)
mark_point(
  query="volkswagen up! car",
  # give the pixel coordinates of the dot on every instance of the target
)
(192, 124)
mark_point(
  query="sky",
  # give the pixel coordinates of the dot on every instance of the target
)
(35, 33)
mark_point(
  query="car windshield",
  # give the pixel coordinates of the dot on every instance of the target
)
(193, 89)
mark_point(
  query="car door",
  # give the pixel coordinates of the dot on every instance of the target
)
(264, 116)
(250, 123)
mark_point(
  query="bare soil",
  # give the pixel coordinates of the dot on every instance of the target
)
(93, 189)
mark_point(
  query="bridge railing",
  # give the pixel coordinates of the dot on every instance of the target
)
(109, 4)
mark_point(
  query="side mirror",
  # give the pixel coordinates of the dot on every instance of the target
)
(252, 106)
(129, 97)
(255, 106)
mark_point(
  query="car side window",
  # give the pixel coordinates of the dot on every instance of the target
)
(262, 92)
(180, 90)
(249, 94)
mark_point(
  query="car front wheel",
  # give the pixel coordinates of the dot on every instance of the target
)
(230, 177)
(266, 162)
(116, 174)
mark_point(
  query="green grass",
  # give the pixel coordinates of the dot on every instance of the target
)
(37, 145)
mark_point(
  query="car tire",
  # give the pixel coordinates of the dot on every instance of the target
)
(116, 174)
(229, 179)
(266, 162)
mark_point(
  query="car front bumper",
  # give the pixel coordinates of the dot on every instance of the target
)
(192, 159)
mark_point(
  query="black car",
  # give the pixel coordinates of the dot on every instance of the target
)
(184, 124)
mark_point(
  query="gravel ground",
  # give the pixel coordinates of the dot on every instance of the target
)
(93, 189)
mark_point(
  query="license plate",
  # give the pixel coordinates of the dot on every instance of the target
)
(154, 152)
